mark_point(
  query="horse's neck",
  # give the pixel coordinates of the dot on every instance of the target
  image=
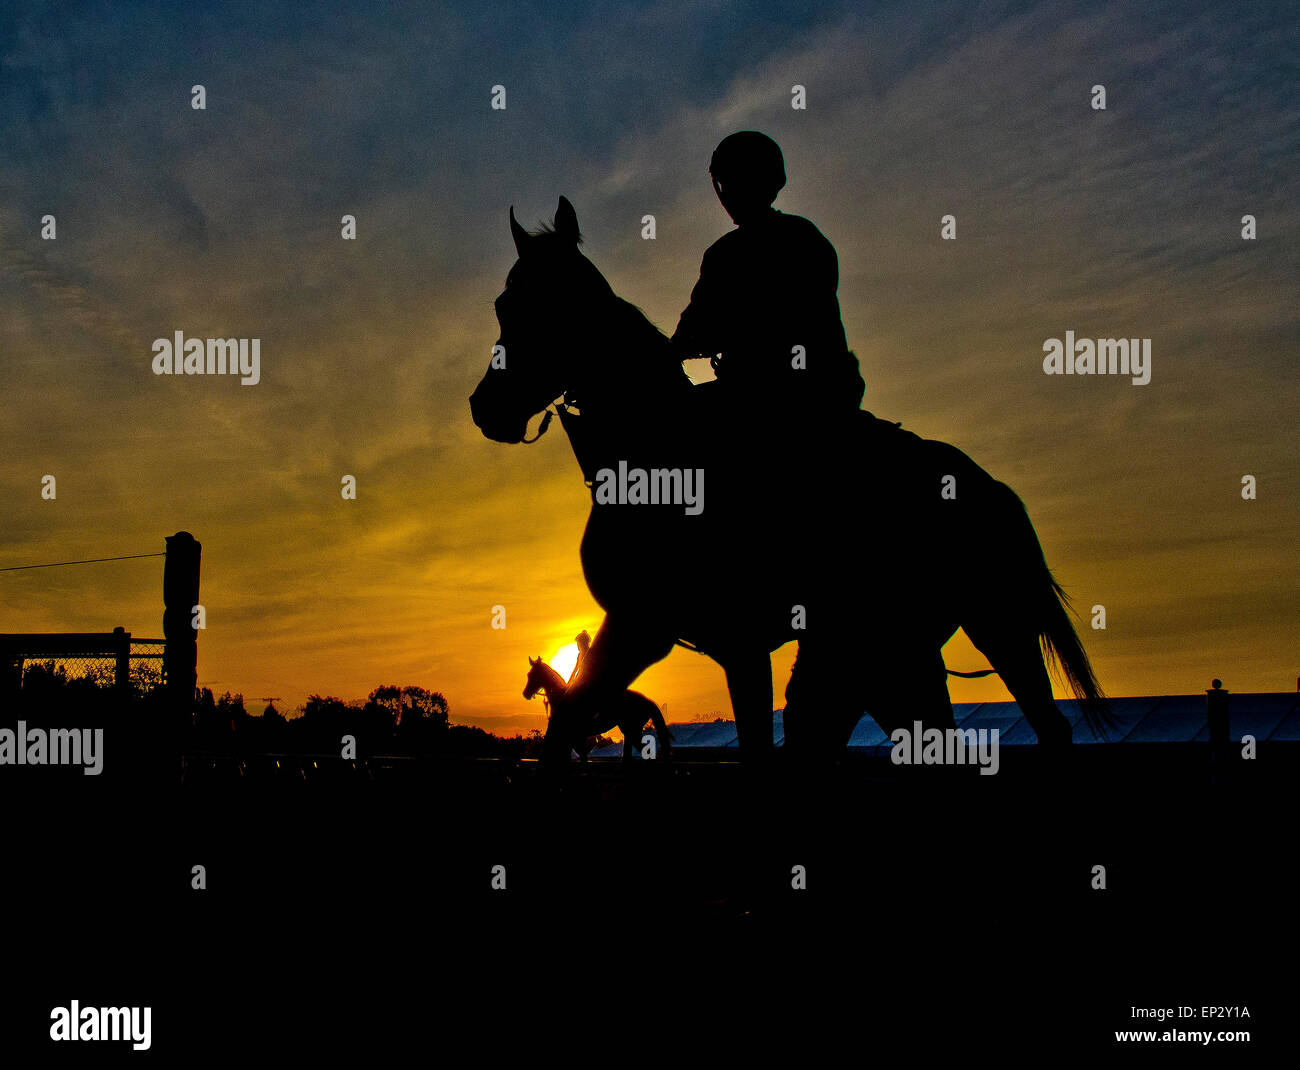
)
(627, 381)
(552, 683)
(629, 369)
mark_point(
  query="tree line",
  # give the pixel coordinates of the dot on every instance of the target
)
(392, 720)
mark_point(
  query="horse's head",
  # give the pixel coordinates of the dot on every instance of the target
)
(544, 313)
(535, 678)
(562, 727)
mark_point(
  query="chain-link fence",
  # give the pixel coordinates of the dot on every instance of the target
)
(82, 662)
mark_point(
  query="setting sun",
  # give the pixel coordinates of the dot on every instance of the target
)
(564, 659)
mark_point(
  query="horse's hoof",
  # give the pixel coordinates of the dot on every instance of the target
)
(1055, 734)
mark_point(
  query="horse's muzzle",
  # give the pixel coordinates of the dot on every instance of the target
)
(494, 425)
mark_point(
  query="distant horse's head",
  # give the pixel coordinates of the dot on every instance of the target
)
(545, 313)
(542, 677)
(535, 678)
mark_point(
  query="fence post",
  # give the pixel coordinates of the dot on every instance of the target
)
(180, 655)
(1216, 708)
(122, 651)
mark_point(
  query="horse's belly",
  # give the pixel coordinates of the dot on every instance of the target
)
(706, 592)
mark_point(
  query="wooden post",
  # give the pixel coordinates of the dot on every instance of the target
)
(1216, 708)
(122, 651)
(180, 596)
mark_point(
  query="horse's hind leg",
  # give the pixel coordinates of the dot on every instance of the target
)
(640, 713)
(909, 685)
(1016, 655)
(828, 694)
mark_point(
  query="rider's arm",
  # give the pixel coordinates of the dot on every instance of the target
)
(697, 334)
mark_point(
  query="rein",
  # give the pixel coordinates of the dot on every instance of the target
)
(552, 411)
(541, 430)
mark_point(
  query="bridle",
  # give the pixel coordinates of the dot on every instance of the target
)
(552, 411)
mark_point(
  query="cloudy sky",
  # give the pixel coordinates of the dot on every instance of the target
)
(226, 222)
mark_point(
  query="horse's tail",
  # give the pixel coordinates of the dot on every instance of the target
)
(1050, 607)
(1061, 643)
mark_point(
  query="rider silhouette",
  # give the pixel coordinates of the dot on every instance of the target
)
(583, 642)
(766, 287)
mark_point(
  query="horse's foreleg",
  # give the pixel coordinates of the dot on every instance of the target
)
(621, 651)
(749, 682)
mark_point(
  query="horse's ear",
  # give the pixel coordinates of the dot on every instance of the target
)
(518, 233)
(566, 221)
(534, 661)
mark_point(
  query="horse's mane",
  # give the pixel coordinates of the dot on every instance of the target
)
(548, 231)
(550, 676)
(624, 320)
(640, 328)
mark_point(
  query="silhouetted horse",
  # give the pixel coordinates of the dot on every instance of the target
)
(630, 711)
(871, 594)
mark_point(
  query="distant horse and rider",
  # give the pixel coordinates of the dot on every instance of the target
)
(866, 544)
(629, 711)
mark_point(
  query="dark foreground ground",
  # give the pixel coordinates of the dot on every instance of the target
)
(351, 909)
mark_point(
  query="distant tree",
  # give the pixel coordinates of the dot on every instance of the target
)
(145, 678)
(329, 706)
(44, 677)
(324, 722)
(424, 707)
(48, 694)
(415, 716)
(410, 705)
(268, 732)
(386, 700)
(470, 741)
(204, 720)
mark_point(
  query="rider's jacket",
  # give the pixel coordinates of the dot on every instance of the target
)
(766, 288)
